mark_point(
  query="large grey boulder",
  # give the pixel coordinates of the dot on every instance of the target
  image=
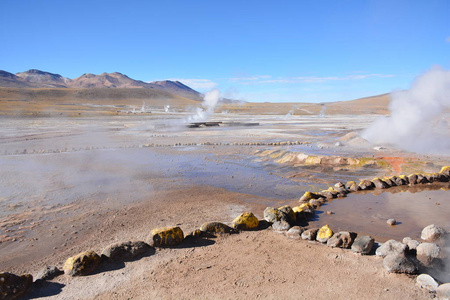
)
(427, 253)
(363, 244)
(391, 247)
(427, 282)
(281, 226)
(443, 291)
(432, 233)
(399, 263)
(342, 239)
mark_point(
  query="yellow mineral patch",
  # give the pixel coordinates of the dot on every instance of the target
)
(246, 221)
(297, 209)
(445, 169)
(306, 206)
(277, 154)
(166, 236)
(324, 233)
(313, 160)
(82, 264)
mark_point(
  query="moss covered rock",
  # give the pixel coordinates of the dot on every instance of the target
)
(82, 264)
(246, 221)
(165, 237)
(324, 234)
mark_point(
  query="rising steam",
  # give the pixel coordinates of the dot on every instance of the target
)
(209, 103)
(419, 119)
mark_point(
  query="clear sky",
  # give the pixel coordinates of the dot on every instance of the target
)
(278, 51)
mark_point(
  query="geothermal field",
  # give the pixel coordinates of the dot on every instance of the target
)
(82, 180)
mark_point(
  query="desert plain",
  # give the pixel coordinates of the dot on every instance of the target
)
(81, 176)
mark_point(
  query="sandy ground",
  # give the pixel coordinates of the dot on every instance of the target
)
(83, 184)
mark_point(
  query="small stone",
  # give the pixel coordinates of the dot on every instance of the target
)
(363, 244)
(391, 222)
(246, 221)
(432, 233)
(13, 286)
(427, 253)
(342, 239)
(427, 282)
(310, 234)
(391, 247)
(329, 212)
(281, 226)
(165, 237)
(82, 264)
(48, 273)
(412, 244)
(443, 291)
(399, 263)
(324, 234)
(294, 233)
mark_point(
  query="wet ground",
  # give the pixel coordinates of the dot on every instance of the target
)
(60, 176)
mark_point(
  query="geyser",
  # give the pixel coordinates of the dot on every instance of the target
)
(419, 120)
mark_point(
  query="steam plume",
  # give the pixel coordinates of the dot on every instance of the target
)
(419, 116)
(209, 103)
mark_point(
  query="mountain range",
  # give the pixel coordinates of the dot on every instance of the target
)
(40, 79)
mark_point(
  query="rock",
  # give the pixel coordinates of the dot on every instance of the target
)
(390, 181)
(391, 222)
(324, 234)
(289, 213)
(307, 209)
(412, 244)
(443, 291)
(217, 227)
(427, 253)
(363, 244)
(48, 273)
(427, 282)
(379, 184)
(399, 263)
(338, 144)
(399, 180)
(273, 214)
(13, 286)
(432, 233)
(246, 221)
(125, 250)
(329, 212)
(342, 239)
(316, 202)
(366, 185)
(82, 264)
(281, 226)
(445, 170)
(295, 233)
(197, 233)
(412, 179)
(391, 247)
(165, 237)
(310, 234)
(308, 196)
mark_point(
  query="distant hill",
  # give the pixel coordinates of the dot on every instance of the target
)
(40, 79)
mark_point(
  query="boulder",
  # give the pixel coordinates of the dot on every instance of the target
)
(273, 214)
(427, 282)
(443, 291)
(14, 286)
(412, 244)
(289, 213)
(308, 209)
(125, 250)
(363, 244)
(390, 180)
(432, 233)
(310, 234)
(309, 195)
(412, 179)
(197, 233)
(421, 179)
(246, 221)
(165, 237)
(324, 234)
(427, 253)
(281, 226)
(295, 233)
(399, 180)
(316, 202)
(399, 263)
(82, 264)
(391, 247)
(342, 239)
(445, 170)
(379, 184)
(48, 273)
(366, 185)
(217, 227)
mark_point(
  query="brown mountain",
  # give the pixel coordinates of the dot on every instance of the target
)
(44, 79)
(10, 80)
(177, 88)
(106, 80)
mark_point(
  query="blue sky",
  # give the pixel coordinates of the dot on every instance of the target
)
(278, 51)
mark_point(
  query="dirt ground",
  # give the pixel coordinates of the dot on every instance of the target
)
(83, 184)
